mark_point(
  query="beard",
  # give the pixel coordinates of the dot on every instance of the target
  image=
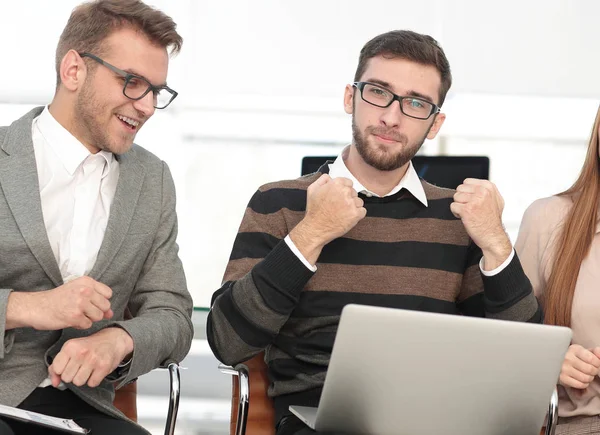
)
(379, 157)
(88, 110)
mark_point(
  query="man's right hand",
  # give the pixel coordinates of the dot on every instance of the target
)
(580, 367)
(76, 304)
(332, 209)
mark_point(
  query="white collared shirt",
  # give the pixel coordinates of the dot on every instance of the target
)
(77, 189)
(410, 182)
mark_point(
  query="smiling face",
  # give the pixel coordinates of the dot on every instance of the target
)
(103, 117)
(385, 138)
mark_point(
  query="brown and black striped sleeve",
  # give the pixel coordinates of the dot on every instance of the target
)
(263, 280)
(507, 295)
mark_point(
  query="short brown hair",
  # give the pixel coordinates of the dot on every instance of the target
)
(411, 46)
(92, 22)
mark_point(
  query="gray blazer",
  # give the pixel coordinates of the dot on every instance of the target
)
(137, 259)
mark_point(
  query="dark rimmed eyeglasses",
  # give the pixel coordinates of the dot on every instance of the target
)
(381, 97)
(136, 87)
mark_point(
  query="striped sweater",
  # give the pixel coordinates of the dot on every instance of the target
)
(401, 255)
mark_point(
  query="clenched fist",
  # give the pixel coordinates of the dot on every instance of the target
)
(580, 367)
(76, 304)
(479, 205)
(332, 209)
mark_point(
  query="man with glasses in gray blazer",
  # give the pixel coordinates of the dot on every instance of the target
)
(88, 227)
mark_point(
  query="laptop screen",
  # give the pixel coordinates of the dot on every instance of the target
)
(443, 171)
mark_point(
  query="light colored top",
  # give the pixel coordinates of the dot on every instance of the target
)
(536, 245)
(77, 189)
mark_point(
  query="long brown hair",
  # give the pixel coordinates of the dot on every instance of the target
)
(576, 236)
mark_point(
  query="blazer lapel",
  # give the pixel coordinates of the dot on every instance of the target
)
(20, 185)
(129, 186)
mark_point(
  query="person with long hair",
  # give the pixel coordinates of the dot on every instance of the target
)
(559, 248)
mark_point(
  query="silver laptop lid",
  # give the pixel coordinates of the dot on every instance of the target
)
(408, 372)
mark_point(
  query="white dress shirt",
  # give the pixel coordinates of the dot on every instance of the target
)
(77, 189)
(410, 182)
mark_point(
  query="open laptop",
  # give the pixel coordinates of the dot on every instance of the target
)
(409, 372)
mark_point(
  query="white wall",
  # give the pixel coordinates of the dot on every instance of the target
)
(261, 86)
(310, 48)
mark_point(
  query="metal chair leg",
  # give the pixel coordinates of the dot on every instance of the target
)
(244, 399)
(241, 371)
(552, 414)
(173, 399)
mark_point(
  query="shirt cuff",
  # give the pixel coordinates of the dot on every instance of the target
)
(125, 364)
(120, 372)
(298, 254)
(500, 268)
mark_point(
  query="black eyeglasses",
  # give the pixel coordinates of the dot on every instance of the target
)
(381, 97)
(136, 87)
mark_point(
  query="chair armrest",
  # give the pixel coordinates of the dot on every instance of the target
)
(241, 371)
(552, 413)
(173, 368)
(228, 370)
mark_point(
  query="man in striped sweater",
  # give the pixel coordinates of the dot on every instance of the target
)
(364, 229)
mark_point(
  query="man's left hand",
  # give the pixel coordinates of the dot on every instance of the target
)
(88, 360)
(479, 205)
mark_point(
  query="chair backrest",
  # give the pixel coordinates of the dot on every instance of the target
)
(261, 414)
(126, 400)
